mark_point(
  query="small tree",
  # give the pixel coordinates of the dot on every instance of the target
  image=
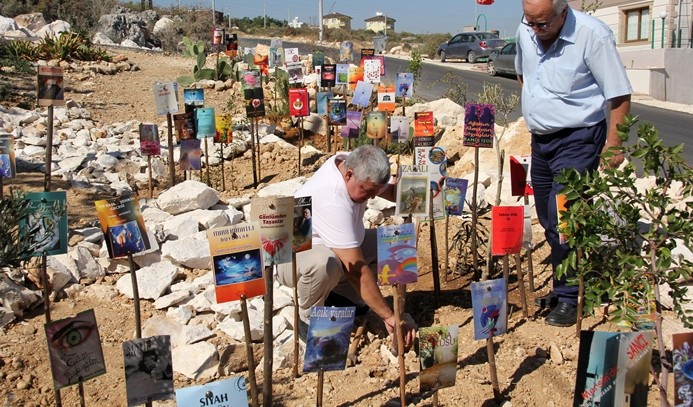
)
(627, 234)
(15, 247)
(415, 66)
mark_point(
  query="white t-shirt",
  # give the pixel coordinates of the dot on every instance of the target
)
(337, 220)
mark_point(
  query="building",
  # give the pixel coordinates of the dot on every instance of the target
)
(378, 23)
(655, 44)
(336, 21)
(295, 23)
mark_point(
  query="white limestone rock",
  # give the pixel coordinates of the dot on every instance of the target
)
(152, 281)
(284, 188)
(173, 298)
(191, 252)
(197, 361)
(87, 266)
(187, 196)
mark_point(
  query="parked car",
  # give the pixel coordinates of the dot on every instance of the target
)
(470, 46)
(503, 61)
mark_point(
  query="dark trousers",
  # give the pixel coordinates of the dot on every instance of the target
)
(577, 148)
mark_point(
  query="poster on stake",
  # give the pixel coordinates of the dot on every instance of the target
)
(353, 126)
(342, 77)
(346, 51)
(371, 70)
(275, 218)
(386, 98)
(438, 347)
(47, 221)
(194, 97)
(222, 393)
(149, 139)
(321, 102)
(479, 122)
(204, 122)
(397, 254)
(148, 370)
(508, 227)
(122, 225)
(224, 128)
(404, 85)
(337, 112)
(490, 308)
(51, 89)
(8, 166)
(399, 129)
(455, 191)
(520, 175)
(328, 75)
(327, 342)
(355, 76)
(298, 102)
(376, 125)
(190, 155)
(362, 94)
(413, 192)
(185, 125)
(303, 224)
(165, 98)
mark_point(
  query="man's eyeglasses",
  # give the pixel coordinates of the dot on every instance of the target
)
(541, 26)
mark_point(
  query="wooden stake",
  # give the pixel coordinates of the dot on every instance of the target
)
(171, 165)
(223, 175)
(352, 358)
(321, 380)
(2, 190)
(300, 144)
(492, 367)
(580, 299)
(434, 253)
(249, 352)
(47, 312)
(329, 139)
(506, 271)
(400, 345)
(521, 282)
(257, 141)
(49, 152)
(80, 388)
(268, 345)
(435, 398)
(447, 247)
(475, 257)
(136, 297)
(294, 279)
(530, 262)
(149, 166)
(209, 181)
(252, 149)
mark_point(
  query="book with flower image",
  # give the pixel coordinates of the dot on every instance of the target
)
(342, 77)
(148, 366)
(224, 128)
(397, 254)
(328, 75)
(122, 225)
(404, 84)
(275, 218)
(490, 308)
(438, 346)
(337, 113)
(8, 168)
(298, 102)
(149, 139)
(353, 126)
(327, 342)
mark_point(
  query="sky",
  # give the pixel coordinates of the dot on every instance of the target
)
(427, 16)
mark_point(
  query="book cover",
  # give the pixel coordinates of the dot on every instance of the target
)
(328, 75)
(149, 139)
(321, 101)
(276, 57)
(413, 193)
(479, 121)
(74, 348)
(362, 94)
(237, 261)
(399, 129)
(217, 36)
(194, 97)
(299, 104)
(165, 98)
(291, 55)
(318, 70)
(122, 225)
(148, 369)
(386, 98)
(376, 125)
(276, 43)
(185, 125)
(613, 369)
(455, 193)
(520, 175)
(231, 392)
(397, 254)
(438, 347)
(318, 58)
(424, 126)
(327, 342)
(355, 76)
(381, 58)
(342, 74)
(275, 218)
(231, 45)
(490, 307)
(404, 84)
(434, 158)
(371, 70)
(337, 112)
(47, 221)
(303, 224)
(254, 102)
(51, 89)
(295, 70)
(190, 155)
(204, 122)
(508, 227)
(561, 207)
(8, 166)
(367, 54)
(251, 79)
(224, 128)
(346, 51)
(353, 126)
(683, 368)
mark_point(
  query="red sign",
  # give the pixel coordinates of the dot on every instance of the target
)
(484, 2)
(520, 180)
(298, 102)
(508, 224)
(423, 124)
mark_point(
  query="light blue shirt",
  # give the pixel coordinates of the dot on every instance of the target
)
(568, 85)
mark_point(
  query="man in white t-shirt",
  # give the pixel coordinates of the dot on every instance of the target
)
(343, 249)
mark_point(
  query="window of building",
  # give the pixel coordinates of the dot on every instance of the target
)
(637, 24)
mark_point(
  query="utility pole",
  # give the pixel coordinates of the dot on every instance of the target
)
(214, 9)
(264, 14)
(320, 17)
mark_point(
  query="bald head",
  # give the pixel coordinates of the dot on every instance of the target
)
(546, 17)
(556, 6)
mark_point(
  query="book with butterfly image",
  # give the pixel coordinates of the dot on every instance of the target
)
(490, 307)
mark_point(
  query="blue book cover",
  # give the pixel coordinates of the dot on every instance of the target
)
(322, 98)
(194, 97)
(223, 393)
(397, 254)
(362, 94)
(328, 338)
(337, 112)
(190, 155)
(8, 167)
(490, 304)
(205, 123)
(404, 85)
(46, 222)
(455, 192)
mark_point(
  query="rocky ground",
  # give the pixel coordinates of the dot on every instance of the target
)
(536, 363)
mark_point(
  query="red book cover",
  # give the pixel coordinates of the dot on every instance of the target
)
(423, 124)
(508, 224)
(520, 180)
(298, 102)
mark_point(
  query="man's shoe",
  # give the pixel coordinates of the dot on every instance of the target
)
(563, 315)
(549, 300)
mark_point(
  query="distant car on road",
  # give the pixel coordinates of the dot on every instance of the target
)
(470, 46)
(503, 61)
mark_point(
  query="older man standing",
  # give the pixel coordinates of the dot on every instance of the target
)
(568, 68)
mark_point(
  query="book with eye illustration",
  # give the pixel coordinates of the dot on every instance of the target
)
(8, 167)
(327, 342)
(413, 191)
(122, 225)
(46, 223)
(275, 218)
(148, 370)
(223, 393)
(397, 254)
(490, 308)
(438, 346)
(74, 347)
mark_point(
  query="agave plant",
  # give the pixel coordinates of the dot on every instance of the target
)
(70, 45)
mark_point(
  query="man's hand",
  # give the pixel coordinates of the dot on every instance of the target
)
(407, 330)
(616, 160)
(619, 107)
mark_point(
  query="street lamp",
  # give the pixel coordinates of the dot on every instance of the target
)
(663, 16)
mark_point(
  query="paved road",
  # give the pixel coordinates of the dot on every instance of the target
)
(674, 127)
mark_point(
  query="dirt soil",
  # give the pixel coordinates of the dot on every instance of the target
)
(529, 373)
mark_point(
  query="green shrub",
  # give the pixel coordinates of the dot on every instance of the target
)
(15, 247)
(431, 43)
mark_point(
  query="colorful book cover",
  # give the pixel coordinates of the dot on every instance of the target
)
(122, 225)
(261, 57)
(295, 71)
(276, 57)
(194, 97)
(204, 122)
(455, 193)
(613, 369)
(74, 347)
(185, 125)
(224, 128)
(683, 369)
(217, 36)
(275, 217)
(148, 369)
(8, 167)
(328, 338)
(237, 261)
(508, 227)
(321, 101)
(520, 175)
(424, 126)
(376, 125)
(381, 58)
(438, 347)
(318, 58)
(165, 98)
(353, 126)
(404, 84)
(397, 254)
(230, 392)
(367, 54)
(413, 192)
(399, 128)
(231, 45)
(328, 75)
(479, 121)
(291, 55)
(299, 104)
(46, 222)
(386, 98)
(434, 158)
(190, 155)
(527, 242)
(355, 76)
(490, 307)
(149, 139)
(342, 74)
(362, 94)
(561, 206)
(51, 89)
(303, 224)
(346, 51)
(337, 112)
(371, 70)
(251, 79)
(254, 102)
